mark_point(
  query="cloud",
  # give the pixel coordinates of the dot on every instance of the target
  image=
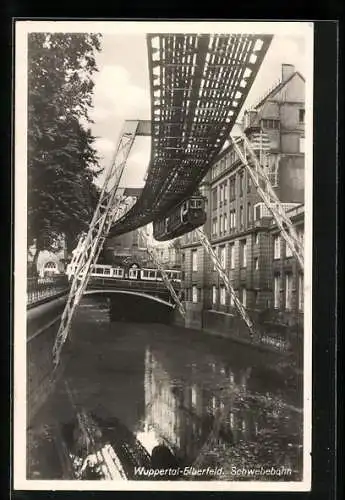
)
(115, 95)
(105, 148)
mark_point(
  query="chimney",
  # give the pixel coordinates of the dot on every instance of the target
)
(287, 71)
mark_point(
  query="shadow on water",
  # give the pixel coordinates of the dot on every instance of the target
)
(152, 396)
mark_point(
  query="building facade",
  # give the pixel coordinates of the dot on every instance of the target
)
(238, 224)
(286, 276)
(48, 262)
(131, 248)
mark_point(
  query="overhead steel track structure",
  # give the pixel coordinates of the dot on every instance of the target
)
(199, 83)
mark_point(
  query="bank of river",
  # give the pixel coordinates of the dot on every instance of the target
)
(209, 401)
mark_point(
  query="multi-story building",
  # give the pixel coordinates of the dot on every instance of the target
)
(131, 248)
(286, 276)
(238, 224)
(169, 254)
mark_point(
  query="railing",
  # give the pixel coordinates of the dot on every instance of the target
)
(128, 284)
(42, 288)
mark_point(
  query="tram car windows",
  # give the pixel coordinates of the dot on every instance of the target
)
(174, 275)
(148, 274)
(133, 273)
(196, 203)
(101, 271)
(117, 272)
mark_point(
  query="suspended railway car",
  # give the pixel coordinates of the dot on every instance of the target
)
(182, 219)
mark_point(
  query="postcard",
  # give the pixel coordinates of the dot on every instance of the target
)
(163, 255)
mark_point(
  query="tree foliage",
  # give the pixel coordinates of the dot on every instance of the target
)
(62, 161)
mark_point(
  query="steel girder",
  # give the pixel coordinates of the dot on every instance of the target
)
(199, 83)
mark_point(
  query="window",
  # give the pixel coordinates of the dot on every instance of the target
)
(244, 253)
(232, 301)
(301, 115)
(225, 223)
(215, 249)
(232, 255)
(232, 189)
(288, 252)
(232, 219)
(300, 292)
(249, 184)
(244, 297)
(222, 295)
(214, 199)
(225, 192)
(241, 183)
(214, 294)
(194, 260)
(300, 234)
(301, 144)
(272, 168)
(270, 124)
(241, 217)
(194, 294)
(220, 224)
(276, 243)
(222, 256)
(276, 291)
(194, 395)
(215, 170)
(288, 291)
(195, 203)
(221, 194)
(258, 212)
(214, 227)
(249, 213)
(256, 263)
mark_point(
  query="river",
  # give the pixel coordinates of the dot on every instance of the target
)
(202, 400)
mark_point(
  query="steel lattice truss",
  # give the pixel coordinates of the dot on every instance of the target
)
(263, 186)
(198, 86)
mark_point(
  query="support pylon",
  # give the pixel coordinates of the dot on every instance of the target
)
(265, 190)
(152, 253)
(89, 249)
(222, 273)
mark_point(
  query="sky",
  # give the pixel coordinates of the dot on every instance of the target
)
(122, 92)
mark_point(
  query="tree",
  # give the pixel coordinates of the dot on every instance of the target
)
(62, 162)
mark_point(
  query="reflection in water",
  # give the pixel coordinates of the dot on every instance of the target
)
(154, 396)
(100, 449)
(207, 411)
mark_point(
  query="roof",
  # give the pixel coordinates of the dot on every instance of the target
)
(278, 87)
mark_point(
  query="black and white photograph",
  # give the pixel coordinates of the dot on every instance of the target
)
(163, 255)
